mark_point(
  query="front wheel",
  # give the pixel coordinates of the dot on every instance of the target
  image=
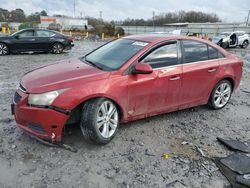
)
(245, 44)
(221, 94)
(224, 45)
(4, 50)
(99, 120)
(57, 48)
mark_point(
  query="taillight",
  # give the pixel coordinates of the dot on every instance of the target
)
(70, 39)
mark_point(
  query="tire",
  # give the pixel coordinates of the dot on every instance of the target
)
(4, 50)
(244, 44)
(99, 120)
(221, 95)
(57, 48)
(224, 45)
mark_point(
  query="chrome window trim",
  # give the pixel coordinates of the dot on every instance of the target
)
(190, 63)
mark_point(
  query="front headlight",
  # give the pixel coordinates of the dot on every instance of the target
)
(44, 99)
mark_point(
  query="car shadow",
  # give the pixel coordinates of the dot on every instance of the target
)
(36, 53)
(73, 135)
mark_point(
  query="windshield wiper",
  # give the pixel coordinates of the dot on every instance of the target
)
(92, 63)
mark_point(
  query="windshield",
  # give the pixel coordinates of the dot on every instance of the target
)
(114, 54)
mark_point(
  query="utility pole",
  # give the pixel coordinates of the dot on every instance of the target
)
(74, 8)
(154, 20)
(248, 18)
(100, 15)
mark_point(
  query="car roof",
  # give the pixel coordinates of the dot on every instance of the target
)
(36, 29)
(153, 38)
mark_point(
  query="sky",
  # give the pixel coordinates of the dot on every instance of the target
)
(228, 11)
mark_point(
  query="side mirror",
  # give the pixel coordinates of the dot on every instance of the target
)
(142, 68)
(16, 37)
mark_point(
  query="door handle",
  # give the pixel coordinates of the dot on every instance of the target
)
(32, 39)
(174, 78)
(211, 70)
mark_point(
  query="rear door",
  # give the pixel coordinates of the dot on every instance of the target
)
(43, 39)
(157, 92)
(200, 70)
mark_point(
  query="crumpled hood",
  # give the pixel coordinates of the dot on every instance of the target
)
(60, 75)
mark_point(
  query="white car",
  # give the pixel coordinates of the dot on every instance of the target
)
(232, 39)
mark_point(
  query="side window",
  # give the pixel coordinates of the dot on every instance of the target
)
(220, 55)
(29, 33)
(194, 51)
(214, 53)
(41, 33)
(163, 56)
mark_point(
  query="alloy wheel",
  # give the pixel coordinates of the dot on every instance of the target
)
(3, 49)
(107, 119)
(245, 44)
(224, 45)
(222, 95)
(57, 48)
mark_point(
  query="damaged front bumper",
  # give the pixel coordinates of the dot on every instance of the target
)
(43, 122)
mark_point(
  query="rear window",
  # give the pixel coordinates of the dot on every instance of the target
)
(43, 33)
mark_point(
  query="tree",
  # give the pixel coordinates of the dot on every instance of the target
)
(120, 31)
(4, 15)
(109, 29)
(43, 13)
(17, 15)
(27, 25)
(172, 17)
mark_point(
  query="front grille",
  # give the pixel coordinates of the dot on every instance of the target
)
(36, 128)
(23, 89)
(17, 98)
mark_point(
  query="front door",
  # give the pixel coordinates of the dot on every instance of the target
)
(24, 41)
(158, 92)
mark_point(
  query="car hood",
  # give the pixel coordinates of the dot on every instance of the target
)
(63, 74)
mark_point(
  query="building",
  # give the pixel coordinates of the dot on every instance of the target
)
(186, 28)
(66, 23)
(208, 28)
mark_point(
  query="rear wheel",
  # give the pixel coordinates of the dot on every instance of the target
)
(99, 120)
(4, 50)
(57, 48)
(245, 44)
(221, 94)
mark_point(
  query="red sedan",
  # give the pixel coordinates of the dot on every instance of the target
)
(127, 79)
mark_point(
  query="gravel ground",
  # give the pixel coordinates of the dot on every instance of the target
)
(135, 156)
